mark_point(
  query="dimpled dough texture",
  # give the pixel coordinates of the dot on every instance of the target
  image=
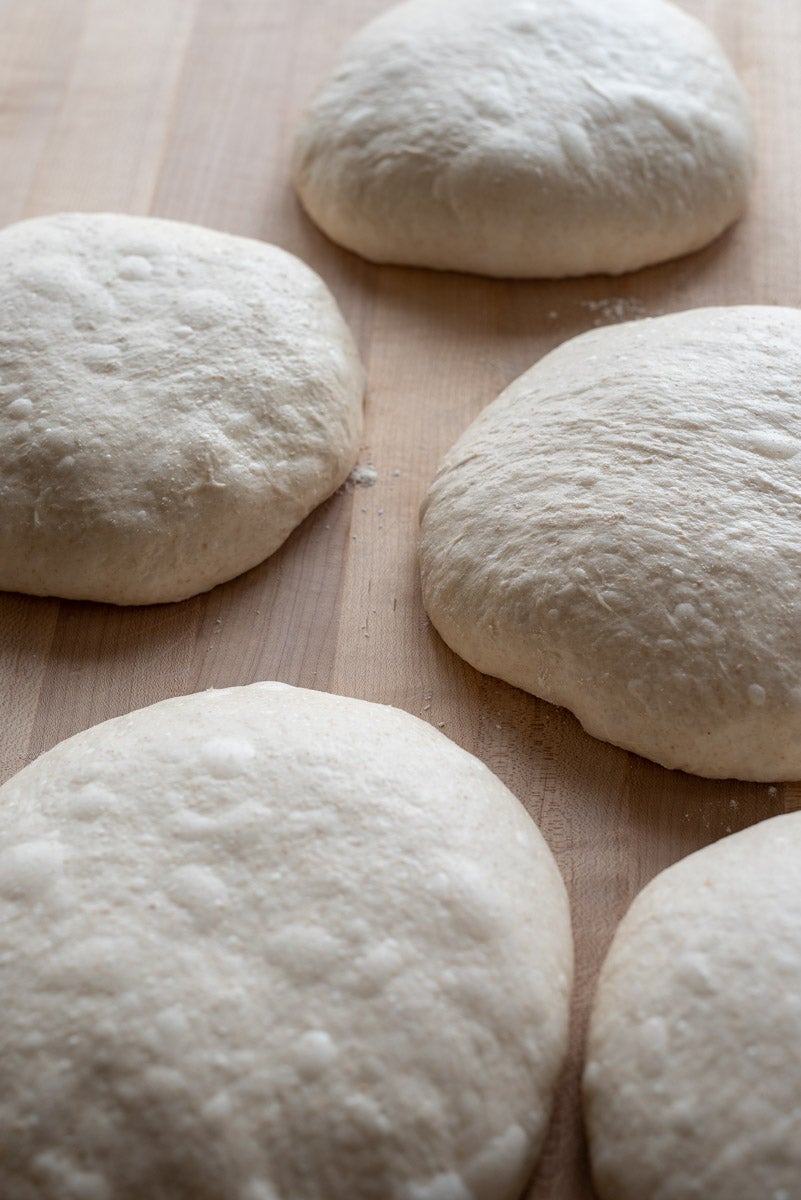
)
(620, 533)
(173, 402)
(268, 944)
(693, 1074)
(527, 137)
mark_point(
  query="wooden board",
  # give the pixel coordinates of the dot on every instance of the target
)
(185, 109)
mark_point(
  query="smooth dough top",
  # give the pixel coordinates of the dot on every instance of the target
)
(173, 402)
(692, 1081)
(527, 137)
(269, 944)
(620, 533)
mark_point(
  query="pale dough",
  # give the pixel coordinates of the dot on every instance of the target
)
(173, 402)
(693, 1074)
(620, 533)
(269, 944)
(527, 137)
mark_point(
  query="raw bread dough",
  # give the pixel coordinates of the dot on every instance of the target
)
(527, 137)
(620, 533)
(173, 402)
(693, 1075)
(268, 944)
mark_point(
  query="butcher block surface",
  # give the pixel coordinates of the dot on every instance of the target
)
(186, 109)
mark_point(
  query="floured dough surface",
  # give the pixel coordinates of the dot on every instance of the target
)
(527, 137)
(693, 1074)
(173, 402)
(269, 944)
(620, 533)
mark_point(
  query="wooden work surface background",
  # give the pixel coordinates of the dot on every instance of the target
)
(185, 109)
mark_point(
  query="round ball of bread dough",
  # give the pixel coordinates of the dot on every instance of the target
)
(527, 137)
(620, 533)
(692, 1081)
(173, 402)
(269, 944)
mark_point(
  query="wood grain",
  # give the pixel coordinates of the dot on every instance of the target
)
(185, 109)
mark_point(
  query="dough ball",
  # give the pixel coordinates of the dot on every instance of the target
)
(620, 533)
(527, 137)
(173, 402)
(269, 944)
(693, 1075)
